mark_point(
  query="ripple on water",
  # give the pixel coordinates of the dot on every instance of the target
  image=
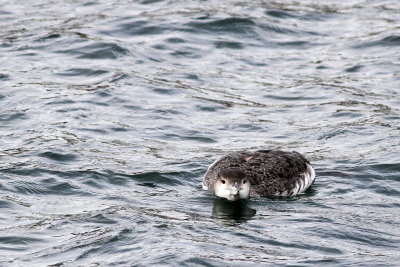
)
(155, 179)
(58, 156)
(11, 117)
(137, 27)
(230, 45)
(97, 50)
(302, 16)
(49, 186)
(354, 68)
(18, 242)
(111, 113)
(4, 77)
(83, 72)
(227, 25)
(392, 40)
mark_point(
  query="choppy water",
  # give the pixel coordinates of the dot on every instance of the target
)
(111, 111)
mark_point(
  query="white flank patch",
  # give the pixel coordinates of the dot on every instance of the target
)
(295, 190)
(301, 185)
(309, 177)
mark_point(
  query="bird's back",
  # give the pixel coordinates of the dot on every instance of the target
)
(270, 172)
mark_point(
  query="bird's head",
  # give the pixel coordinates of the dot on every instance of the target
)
(232, 185)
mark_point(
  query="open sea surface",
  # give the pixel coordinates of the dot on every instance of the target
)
(111, 112)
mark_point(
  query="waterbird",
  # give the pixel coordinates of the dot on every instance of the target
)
(261, 173)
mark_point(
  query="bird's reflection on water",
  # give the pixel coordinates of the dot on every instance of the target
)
(237, 211)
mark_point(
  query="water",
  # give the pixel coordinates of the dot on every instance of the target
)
(111, 111)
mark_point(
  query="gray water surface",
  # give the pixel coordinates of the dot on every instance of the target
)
(111, 112)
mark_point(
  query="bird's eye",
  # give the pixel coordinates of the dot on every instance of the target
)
(244, 181)
(223, 181)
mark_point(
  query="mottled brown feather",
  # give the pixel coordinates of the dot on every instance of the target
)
(270, 172)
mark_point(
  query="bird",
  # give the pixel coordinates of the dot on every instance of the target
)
(261, 173)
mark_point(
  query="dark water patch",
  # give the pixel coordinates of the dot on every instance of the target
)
(106, 93)
(132, 107)
(354, 68)
(157, 178)
(146, 184)
(58, 156)
(247, 127)
(187, 52)
(322, 67)
(5, 12)
(27, 50)
(140, 28)
(5, 45)
(291, 98)
(190, 136)
(93, 130)
(335, 133)
(5, 204)
(301, 16)
(13, 116)
(231, 45)
(90, 3)
(297, 44)
(17, 240)
(386, 168)
(4, 77)
(97, 50)
(348, 113)
(207, 107)
(45, 172)
(100, 219)
(93, 184)
(159, 47)
(147, 2)
(29, 54)
(47, 187)
(227, 25)
(274, 28)
(386, 190)
(64, 188)
(167, 111)
(117, 77)
(50, 36)
(164, 91)
(137, 28)
(66, 110)
(119, 129)
(61, 102)
(229, 103)
(392, 40)
(192, 76)
(385, 171)
(96, 103)
(279, 14)
(175, 40)
(152, 58)
(365, 237)
(83, 72)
